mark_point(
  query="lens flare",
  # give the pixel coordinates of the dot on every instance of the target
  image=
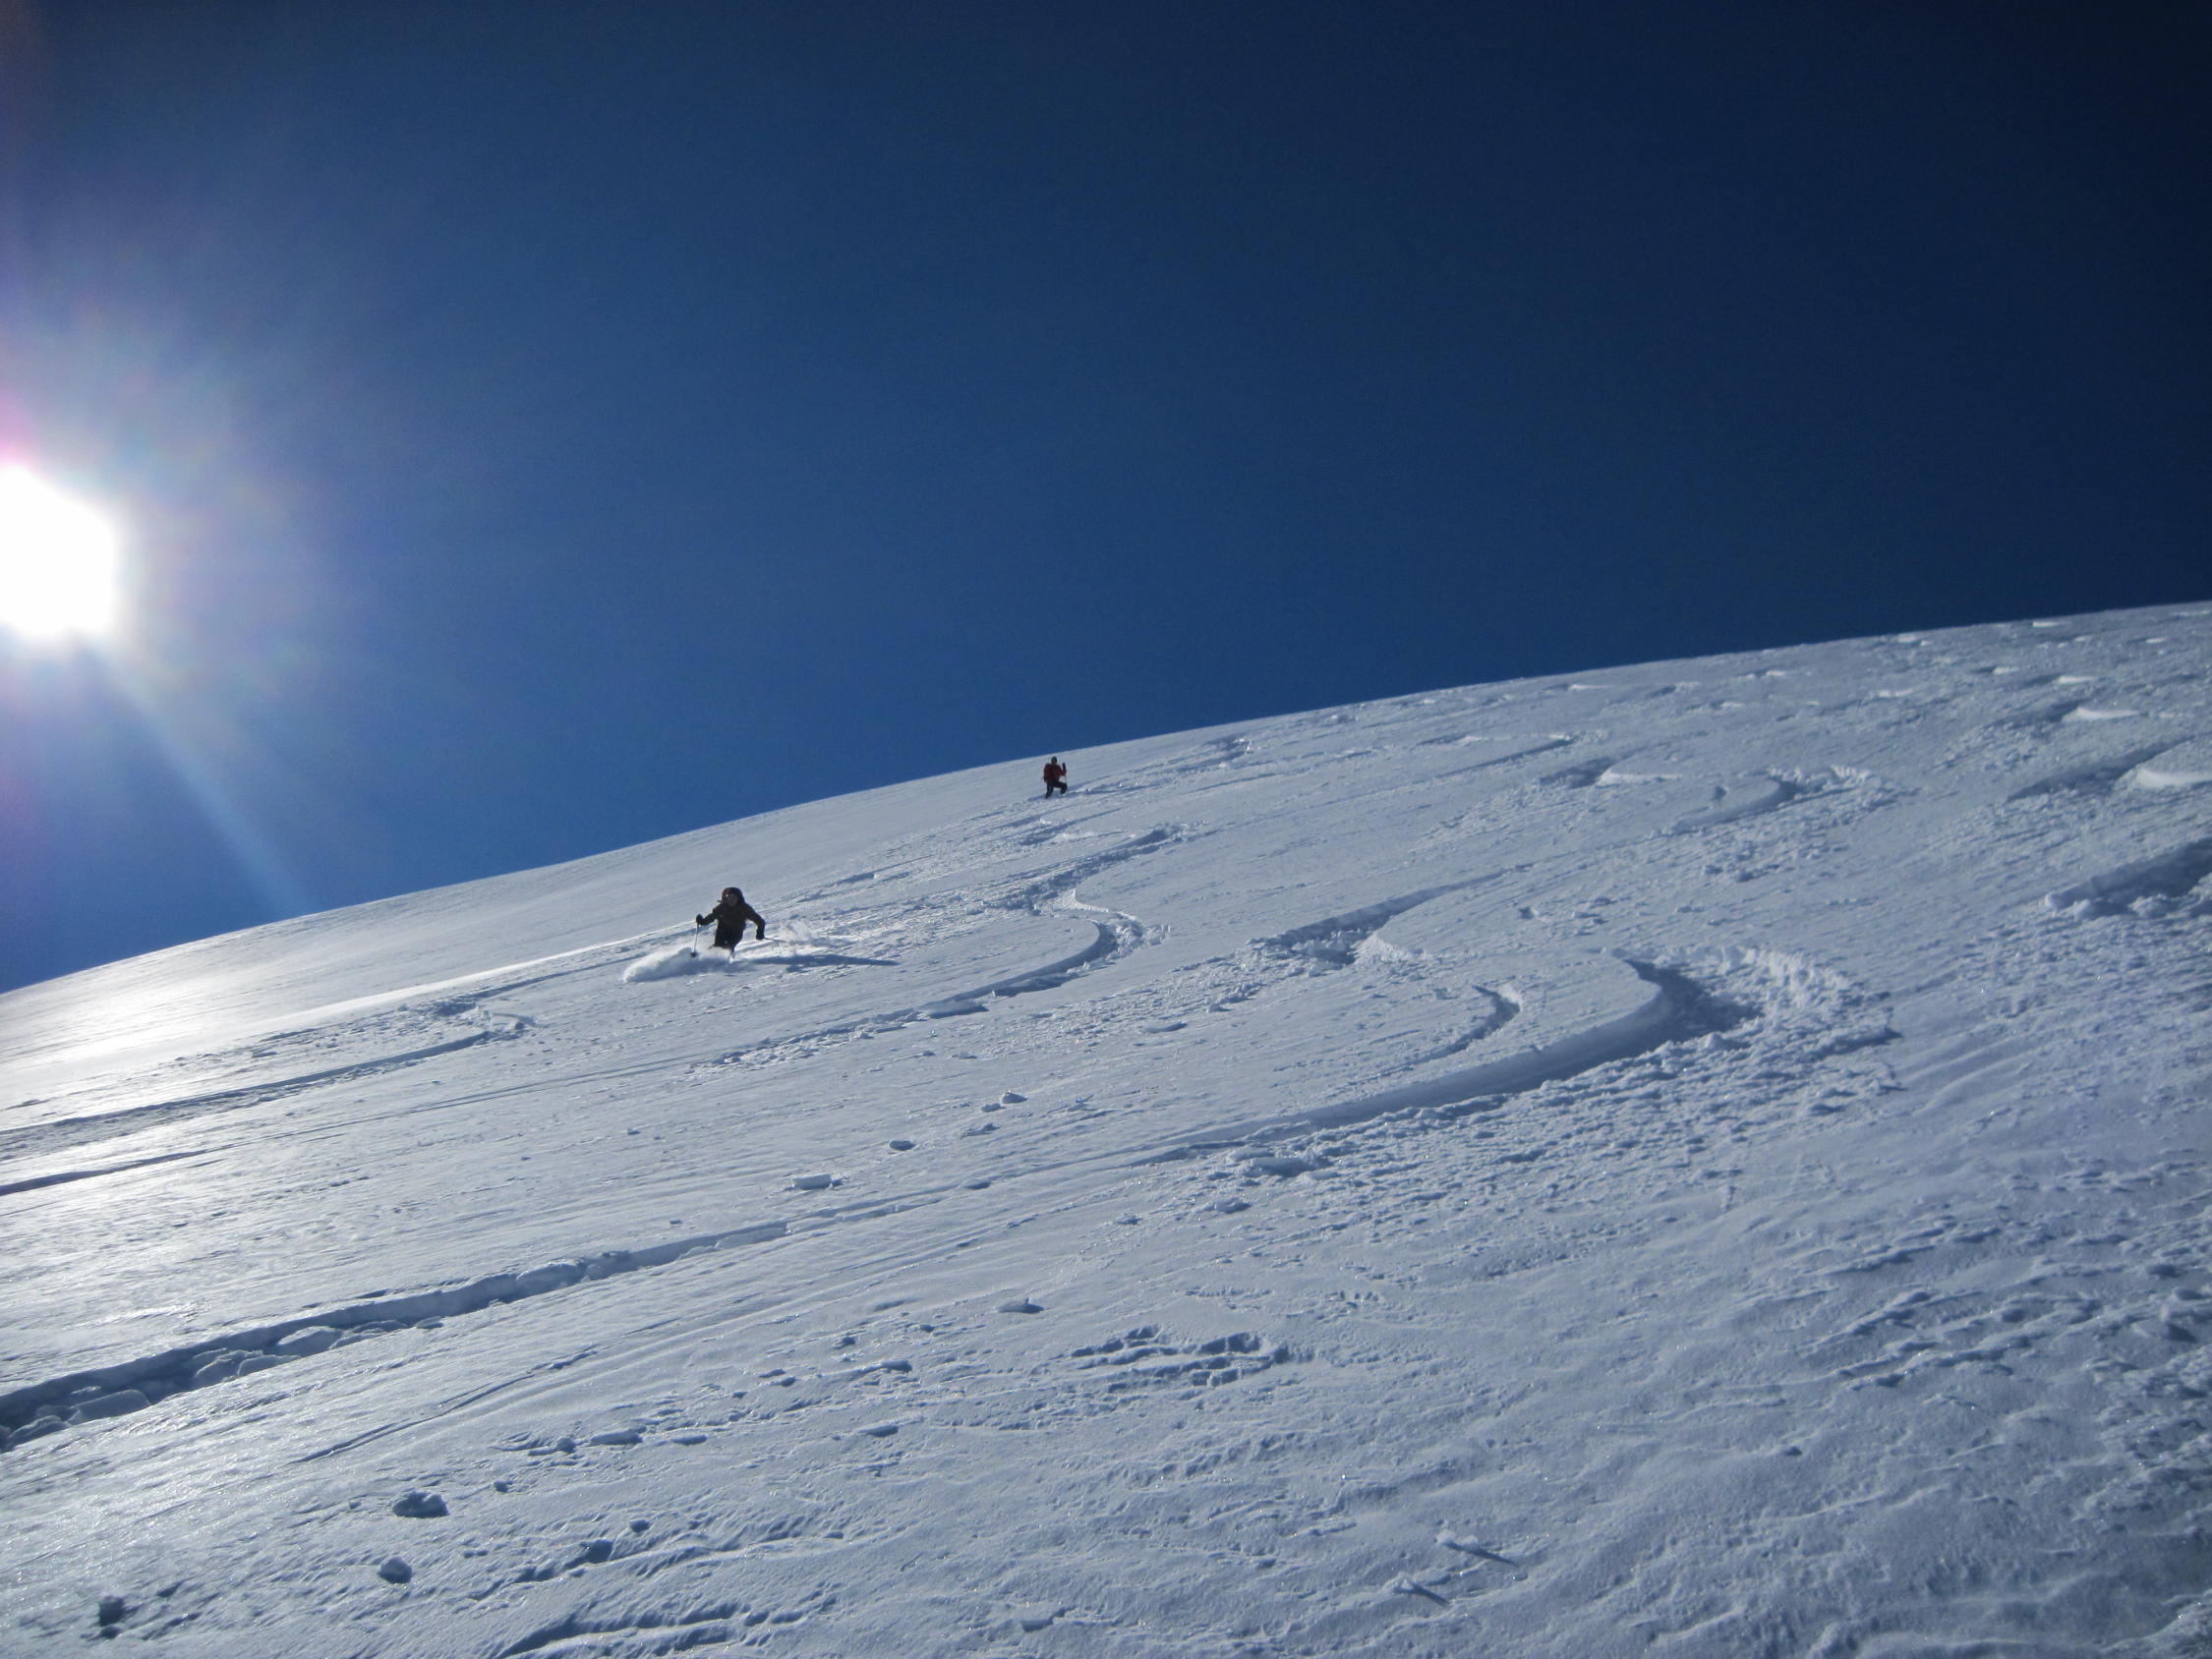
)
(61, 561)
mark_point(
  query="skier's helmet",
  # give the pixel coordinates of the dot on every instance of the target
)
(729, 892)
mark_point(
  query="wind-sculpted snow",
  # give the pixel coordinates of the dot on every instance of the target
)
(2149, 886)
(2180, 765)
(1703, 1158)
(1745, 801)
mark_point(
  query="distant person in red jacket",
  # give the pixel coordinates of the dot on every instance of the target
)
(1056, 777)
(730, 918)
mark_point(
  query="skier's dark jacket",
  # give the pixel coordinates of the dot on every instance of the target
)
(730, 918)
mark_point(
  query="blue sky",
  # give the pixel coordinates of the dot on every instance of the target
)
(546, 426)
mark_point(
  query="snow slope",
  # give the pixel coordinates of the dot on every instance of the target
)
(1708, 1159)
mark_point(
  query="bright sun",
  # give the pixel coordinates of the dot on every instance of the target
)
(60, 560)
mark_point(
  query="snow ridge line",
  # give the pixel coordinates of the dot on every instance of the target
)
(112, 1391)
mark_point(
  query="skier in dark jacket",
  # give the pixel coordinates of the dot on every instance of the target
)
(1056, 777)
(730, 918)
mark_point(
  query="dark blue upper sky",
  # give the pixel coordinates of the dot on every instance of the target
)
(545, 426)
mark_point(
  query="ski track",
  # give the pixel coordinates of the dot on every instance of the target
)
(1699, 1205)
(70, 1132)
(1677, 1010)
(1114, 935)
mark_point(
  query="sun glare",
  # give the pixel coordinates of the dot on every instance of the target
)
(60, 560)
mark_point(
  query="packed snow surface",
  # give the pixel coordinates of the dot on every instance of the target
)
(1706, 1159)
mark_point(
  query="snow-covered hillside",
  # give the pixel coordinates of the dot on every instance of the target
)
(1708, 1159)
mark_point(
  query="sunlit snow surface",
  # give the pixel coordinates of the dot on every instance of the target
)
(1707, 1157)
